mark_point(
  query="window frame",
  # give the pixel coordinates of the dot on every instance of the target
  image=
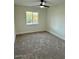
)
(32, 23)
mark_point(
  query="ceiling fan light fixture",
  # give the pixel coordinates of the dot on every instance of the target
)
(41, 6)
(43, 3)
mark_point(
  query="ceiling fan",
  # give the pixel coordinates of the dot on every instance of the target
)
(36, 3)
(43, 4)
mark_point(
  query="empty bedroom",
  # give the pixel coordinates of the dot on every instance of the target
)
(39, 29)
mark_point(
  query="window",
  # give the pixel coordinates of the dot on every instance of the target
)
(31, 18)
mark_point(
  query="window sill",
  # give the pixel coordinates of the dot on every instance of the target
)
(32, 24)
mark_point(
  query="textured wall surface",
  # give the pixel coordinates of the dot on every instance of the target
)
(56, 20)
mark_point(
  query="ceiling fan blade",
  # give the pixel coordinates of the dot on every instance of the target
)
(46, 6)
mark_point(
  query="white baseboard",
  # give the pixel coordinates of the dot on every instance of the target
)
(30, 32)
(59, 36)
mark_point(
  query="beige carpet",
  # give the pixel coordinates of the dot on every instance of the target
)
(41, 45)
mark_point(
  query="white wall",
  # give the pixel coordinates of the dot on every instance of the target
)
(55, 17)
(20, 25)
(56, 20)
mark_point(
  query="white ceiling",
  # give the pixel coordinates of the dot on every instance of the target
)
(37, 2)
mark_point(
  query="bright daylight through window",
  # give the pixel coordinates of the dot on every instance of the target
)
(31, 18)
